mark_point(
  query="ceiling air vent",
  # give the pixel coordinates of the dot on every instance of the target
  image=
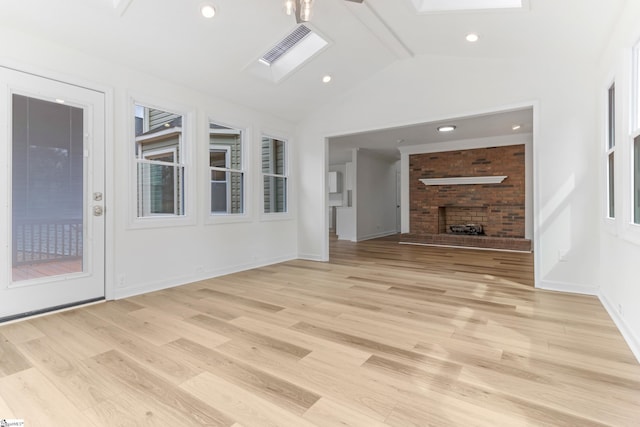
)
(285, 45)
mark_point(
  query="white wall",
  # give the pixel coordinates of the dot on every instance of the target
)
(140, 260)
(376, 195)
(619, 278)
(339, 198)
(427, 88)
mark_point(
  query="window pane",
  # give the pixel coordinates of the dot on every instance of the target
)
(611, 186)
(636, 87)
(158, 138)
(160, 189)
(218, 175)
(162, 157)
(222, 140)
(218, 158)
(611, 134)
(273, 156)
(218, 197)
(275, 194)
(226, 192)
(227, 186)
(636, 180)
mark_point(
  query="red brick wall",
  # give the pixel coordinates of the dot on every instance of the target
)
(505, 202)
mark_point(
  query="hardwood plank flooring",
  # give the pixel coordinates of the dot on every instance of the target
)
(383, 334)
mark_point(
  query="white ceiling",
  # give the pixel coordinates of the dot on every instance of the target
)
(388, 141)
(171, 40)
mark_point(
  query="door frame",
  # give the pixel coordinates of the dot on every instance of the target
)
(109, 154)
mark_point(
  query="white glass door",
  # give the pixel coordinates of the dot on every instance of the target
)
(53, 161)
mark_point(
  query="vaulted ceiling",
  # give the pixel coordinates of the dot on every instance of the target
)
(170, 39)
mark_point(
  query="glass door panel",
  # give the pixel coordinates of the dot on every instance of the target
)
(48, 189)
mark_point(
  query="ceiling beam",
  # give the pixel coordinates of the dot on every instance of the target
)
(121, 6)
(379, 28)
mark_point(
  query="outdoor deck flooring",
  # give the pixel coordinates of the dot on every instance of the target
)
(46, 269)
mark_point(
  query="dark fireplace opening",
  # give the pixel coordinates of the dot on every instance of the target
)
(463, 220)
(467, 229)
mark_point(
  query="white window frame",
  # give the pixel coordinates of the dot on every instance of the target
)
(635, 130)
(227, 162)
(145, 159)
(635, 89)
(187, 147)
(634, 192)
(245, 136)
(609, 151)
(630, 230)
(287, 176)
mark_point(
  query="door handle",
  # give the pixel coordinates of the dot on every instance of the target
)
(98, 210)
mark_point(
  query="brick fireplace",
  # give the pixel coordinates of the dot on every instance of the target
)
(498, 207)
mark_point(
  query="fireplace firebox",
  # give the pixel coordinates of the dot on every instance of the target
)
(467, 229)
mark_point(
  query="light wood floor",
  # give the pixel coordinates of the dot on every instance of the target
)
(384, 334)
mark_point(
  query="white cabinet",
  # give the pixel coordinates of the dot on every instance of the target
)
(335, 182)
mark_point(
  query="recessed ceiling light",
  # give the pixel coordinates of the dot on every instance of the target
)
(472, 37)
(446, 128)
(60, 101)
(326, 79)
(208, 11)
(515, 127)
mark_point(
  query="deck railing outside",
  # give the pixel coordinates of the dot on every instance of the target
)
(41, 241)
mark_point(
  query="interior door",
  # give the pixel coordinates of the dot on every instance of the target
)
(52, 161)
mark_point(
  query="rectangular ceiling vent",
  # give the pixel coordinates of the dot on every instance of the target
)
(285, 45)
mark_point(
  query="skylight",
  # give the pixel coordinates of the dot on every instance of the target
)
(460, 5)
(285, 45)
(288, 54)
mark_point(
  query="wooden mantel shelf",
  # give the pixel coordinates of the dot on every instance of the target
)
(464, 180)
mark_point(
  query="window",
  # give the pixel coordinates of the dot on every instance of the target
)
(274, 174)
(635, 110)
(226, 167)
(635, 126)
(159, 162)
(611, 145)
(636, 180)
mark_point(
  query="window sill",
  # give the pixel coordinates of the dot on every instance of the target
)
(631, 234)
(280, 216)
(161, 222)
(609, 226)
(214, 219)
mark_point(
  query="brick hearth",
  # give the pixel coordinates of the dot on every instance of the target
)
(503, 243)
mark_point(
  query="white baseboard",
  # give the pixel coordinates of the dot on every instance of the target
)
(312, 257)
(627, 333)
(376, 235)
(144, 288)
(571, 288)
